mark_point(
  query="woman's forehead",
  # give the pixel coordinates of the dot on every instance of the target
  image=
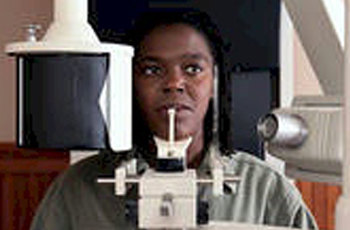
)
(174, 41)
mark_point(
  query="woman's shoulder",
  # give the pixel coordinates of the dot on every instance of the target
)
(240, 160)
(263, 182)
(256, 171)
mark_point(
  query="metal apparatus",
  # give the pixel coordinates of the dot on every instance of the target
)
(287, 130)
(308, 137)
(173, 205)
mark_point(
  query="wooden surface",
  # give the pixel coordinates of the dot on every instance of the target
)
(321, 198)
(24, 177)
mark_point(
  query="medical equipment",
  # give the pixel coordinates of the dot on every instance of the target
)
(308, 137)
(174, 205)
(66, 82)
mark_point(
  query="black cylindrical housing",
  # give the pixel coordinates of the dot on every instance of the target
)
(58, 101)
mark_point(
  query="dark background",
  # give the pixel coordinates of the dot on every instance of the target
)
(251, 30)
(251, 26)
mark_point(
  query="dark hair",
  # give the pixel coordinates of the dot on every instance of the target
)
(194, 18)
(205, 26)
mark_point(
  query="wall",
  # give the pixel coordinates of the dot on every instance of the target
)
(15, 14)
(305, 80)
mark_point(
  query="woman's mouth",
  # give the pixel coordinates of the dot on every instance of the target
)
(177, 106)
(180, 108)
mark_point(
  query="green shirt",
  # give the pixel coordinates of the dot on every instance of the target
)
(75, 201)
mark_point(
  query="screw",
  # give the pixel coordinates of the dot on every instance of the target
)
(31, 32)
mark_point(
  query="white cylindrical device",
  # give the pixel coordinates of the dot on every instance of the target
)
(71, 22)
(71, 11)
(285, 130)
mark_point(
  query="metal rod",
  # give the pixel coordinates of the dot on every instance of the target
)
(112, 180)
(226, 179)
(199, 181)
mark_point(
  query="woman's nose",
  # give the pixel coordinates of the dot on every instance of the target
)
(174, 81)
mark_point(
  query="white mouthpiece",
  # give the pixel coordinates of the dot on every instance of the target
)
(70, 23)
(171, 113)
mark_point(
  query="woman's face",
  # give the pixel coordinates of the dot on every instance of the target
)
(174, 69)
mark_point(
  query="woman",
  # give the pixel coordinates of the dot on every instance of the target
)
(176, 60)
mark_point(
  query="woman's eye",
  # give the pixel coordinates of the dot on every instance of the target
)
(193, 69)
(151, 70)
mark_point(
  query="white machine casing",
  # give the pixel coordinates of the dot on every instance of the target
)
(181, 187)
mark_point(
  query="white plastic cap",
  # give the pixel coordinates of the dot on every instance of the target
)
(70, 23)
